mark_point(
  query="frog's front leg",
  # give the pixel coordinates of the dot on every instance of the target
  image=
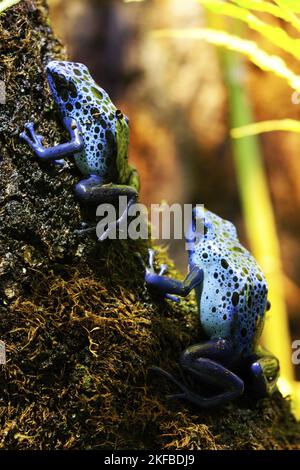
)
(58, 151)
(203, 363)
(166, 286)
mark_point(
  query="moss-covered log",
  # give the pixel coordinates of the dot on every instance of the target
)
(80, 331)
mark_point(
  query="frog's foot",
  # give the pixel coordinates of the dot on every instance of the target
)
(85, 228)
(35, 141)
(165, 286)
(264, 375)
(185, 392)
(151, 260)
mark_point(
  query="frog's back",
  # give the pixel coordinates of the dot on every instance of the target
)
(92, 108)
(234, 294)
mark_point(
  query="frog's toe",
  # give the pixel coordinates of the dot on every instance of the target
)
(25, 137)
(151, 259)
(32, 138)
(29, 126)
(163, 269)
(265, 373)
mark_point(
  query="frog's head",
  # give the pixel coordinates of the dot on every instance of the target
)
(66, 80)
(214, 227)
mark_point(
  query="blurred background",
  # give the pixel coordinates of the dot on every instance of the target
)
(176, 97)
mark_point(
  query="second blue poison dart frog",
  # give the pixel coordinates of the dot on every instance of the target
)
(231, 292)
(99, 134)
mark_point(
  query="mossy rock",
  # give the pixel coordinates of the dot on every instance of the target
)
(80, 327)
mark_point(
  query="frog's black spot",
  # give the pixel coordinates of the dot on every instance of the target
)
(69, 107)
(259, 277)
(224, 317)
(95, 112)
(235, 299)
(230, 271)
(243, 332)
(215, 275)
(205, 255)
(77, 105)
(97, 129)
(100, 146)
(103, 123)
(249, 301)
(214, 309)
(72, 90)
(217, 291)
(85, 89)
(224, 263)
(85, 111)
(111, 117)
(77, 72)
(64, 94)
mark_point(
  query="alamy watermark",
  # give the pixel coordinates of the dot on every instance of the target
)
(2, 353)
(296, 352)
(167, 222)
(2, 92)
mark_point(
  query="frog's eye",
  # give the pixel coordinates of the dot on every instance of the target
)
(119, 114)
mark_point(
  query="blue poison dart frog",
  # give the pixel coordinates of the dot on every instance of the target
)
(99, 136)
(232, 300)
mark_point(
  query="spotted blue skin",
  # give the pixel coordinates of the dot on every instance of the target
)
(233, 297)
(78, 96)
(231, 293)
(99, 135)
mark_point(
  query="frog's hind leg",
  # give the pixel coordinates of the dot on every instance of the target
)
(92, 190)
(264, 372)
(201, 361)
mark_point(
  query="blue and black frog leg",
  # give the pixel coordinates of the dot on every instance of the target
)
(202, 362)
(167, 287)
(54, 153)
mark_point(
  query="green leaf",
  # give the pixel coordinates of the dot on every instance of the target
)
(5, 4)
(274, 34)
(289, 125)
(265, 61)
(292, 5)
(278, 11)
